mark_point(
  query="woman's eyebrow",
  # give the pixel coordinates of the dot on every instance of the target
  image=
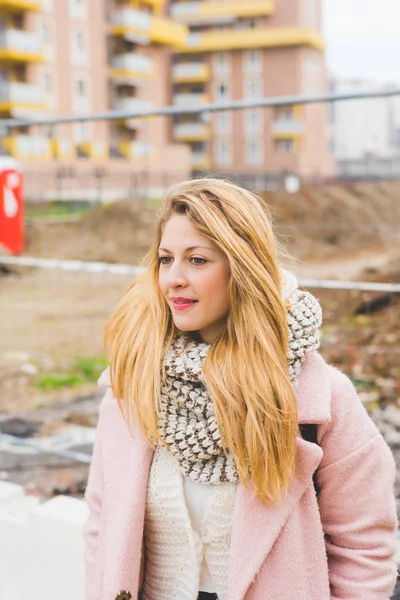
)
(188, 249)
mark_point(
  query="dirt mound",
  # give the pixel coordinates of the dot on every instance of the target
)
(337, 219)
(119, 232)
(317, 221)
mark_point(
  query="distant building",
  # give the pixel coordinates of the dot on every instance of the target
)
(74, 57)
(364, 129)
(249, 49)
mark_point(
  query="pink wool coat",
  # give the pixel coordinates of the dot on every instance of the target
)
(340, 546)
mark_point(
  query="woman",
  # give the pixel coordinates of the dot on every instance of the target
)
(201, 485)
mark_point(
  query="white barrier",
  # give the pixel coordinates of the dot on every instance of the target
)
(122, 269)
(41, 549)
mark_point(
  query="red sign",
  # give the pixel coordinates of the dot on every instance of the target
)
(11, 211)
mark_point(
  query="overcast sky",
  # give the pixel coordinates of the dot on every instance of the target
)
(363, 38)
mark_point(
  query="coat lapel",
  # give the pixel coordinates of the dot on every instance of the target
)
(256, 526)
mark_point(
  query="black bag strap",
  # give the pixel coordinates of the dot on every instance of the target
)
(309, 433)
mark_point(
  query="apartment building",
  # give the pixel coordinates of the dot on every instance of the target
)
(247, 49)
(75, 57)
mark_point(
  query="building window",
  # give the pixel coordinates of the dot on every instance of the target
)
(253, 153)
(48, 88)
(252, 121)
(81, 133)
(45, 36)
(79, 48)
(284, 146)
(223, 122)
(77, 9)
(81, 100)
(222, 63)
(253, 61)
(222, 153)
(221, 92)
(253, 89)
(284, 113)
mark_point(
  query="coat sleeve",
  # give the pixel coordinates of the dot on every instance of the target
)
(94, 501)
(357, 502)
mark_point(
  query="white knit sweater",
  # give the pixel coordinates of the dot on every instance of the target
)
(175, 551)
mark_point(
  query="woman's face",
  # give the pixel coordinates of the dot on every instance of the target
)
(193, 276)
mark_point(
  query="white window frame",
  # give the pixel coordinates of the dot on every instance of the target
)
(253, 152)
(81, 102)
(78, 10)
(253, 61)
(50, 92)
(222, 153)
(285, 146)
(45, 33)
(223, 122)
(222, 63)
(82, 132)
(253, 88)
(253, 121)
(79, 55)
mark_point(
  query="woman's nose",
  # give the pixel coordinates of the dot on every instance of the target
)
(176, 275)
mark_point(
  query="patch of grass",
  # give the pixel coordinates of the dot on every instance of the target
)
(91, 367)
(85, 369)
(364, 384)
(54, 381)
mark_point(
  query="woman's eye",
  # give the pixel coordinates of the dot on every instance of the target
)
(198, 261)
(164, 259)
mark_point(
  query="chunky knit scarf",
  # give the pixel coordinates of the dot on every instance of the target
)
(187, 422)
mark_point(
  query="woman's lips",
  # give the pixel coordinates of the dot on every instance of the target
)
(183, 305)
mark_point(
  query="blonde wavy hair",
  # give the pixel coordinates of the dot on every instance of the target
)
(246, 369)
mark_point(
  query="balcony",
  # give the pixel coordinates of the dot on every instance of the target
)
(288, 128)
(64, 148)
(136, 149)
(143, 28)
(190, 132)
(130, 65)
(134, 105)
(190, 98)
(95, 150)
(190, 73)
(19, 46)
(20, 96)
(20, 5)
(203, 13)
(29, 147)
(264, 37)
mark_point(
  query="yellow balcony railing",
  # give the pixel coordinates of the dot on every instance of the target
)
(190, 73)
(131, 65)
(19, 46)
(20, 5)
(63, 149)
(136, 150)
(264, 37)
(191, 132)
(287, 129)
(28, 147)
(21, 96)
(143, 28)
(96, 150)
(192, 13)
(187, 99)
